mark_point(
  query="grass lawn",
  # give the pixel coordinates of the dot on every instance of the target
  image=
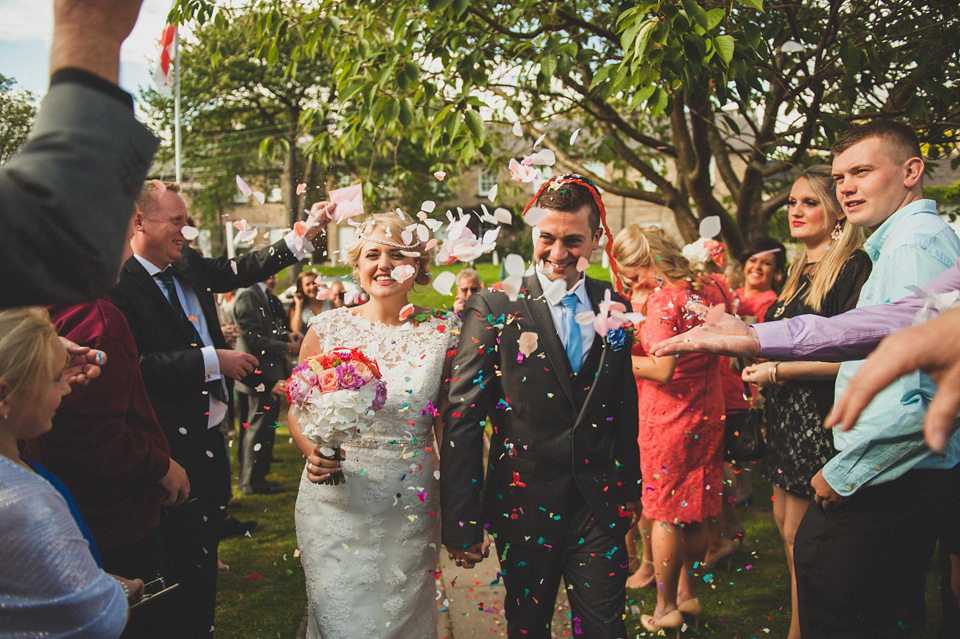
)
(262, 596)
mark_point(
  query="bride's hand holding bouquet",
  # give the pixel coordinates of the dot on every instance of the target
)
(333, 396)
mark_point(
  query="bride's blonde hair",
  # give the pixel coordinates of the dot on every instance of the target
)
(392, 225)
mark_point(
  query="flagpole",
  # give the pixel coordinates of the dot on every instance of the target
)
(176, 104)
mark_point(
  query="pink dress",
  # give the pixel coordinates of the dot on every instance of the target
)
(681, 422)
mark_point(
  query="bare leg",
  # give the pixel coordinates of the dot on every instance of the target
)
(695, 540)
(792, 509)
(641, 578)
(668, 562)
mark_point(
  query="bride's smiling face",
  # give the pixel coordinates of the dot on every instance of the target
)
(376, 264)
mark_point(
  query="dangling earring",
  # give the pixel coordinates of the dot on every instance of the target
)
(837, 232)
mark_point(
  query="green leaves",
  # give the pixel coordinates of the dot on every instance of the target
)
(474, 123)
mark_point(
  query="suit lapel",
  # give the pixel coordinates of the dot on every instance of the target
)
(148, 284)
(204, 297)
(595, 293)
(547, 334)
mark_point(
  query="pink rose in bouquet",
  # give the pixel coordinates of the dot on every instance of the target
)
(334, 396)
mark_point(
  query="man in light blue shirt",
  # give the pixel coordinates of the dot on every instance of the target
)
(881, 495)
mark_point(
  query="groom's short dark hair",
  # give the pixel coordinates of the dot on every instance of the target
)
(570, 197)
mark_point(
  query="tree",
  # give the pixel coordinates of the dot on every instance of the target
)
(274, 115)
(677, 96)
(17, 112)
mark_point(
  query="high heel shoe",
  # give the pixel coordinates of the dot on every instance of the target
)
(691, 608)
(725, 553)
(636, 580)
(673, 620)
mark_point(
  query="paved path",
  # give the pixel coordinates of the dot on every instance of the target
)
(472, 602)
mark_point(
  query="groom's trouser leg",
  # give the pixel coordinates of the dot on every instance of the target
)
(593, 565)
(595, 575)
(531, 575)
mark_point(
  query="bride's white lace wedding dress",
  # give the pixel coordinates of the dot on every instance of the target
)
(369, 546)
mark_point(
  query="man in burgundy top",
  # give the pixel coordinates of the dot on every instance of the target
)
(107, 447)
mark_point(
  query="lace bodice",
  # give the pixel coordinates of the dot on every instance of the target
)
(409, 357)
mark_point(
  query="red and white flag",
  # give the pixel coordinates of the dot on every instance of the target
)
(165, 75)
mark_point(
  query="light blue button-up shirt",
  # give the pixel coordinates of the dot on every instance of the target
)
(908, 250)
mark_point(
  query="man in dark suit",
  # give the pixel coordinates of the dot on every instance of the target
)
(166, 292)
(562, 483)
(265, 336)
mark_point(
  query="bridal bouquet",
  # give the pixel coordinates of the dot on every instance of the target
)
(334, 395)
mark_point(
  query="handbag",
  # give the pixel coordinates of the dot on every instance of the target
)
(743, 439)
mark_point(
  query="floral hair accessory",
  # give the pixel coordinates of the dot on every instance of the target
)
(704, 251)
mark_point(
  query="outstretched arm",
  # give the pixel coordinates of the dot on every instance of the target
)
(934, 348)
(728, 335)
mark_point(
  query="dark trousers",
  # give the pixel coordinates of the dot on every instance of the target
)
(256, 436)
(142, 560)
(861, 568)
(190, 535)
(593, 566)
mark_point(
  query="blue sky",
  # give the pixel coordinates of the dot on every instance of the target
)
(27, 25)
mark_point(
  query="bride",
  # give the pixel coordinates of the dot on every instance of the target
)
(369, 546)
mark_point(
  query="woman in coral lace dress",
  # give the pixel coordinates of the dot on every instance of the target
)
(681, 426)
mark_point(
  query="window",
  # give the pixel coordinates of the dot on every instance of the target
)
(485, 181)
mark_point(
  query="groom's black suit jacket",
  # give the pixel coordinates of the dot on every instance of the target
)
(560, 441)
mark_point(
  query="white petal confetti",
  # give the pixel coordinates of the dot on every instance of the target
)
(444, 282)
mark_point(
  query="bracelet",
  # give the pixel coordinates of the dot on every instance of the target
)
(126, 589)
(773, 374)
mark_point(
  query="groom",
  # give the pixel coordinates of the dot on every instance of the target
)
(562, 482)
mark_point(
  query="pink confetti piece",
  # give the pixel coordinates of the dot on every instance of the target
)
(406, 312)
(161, 187)
(402, 273)
(440, 175)
(349, 201)
(244, 187)
(528, 342)
(406, 236)
(301, 188)
(582, 264)
(300, 229)
(422, 215)
(431, 244)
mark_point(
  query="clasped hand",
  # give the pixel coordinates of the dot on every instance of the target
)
(473, 554)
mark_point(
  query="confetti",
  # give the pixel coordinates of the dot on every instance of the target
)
(349, 201)
(517, 129)
(573, 137)
(403, 272)
(406, 312)
(247, 233)
(710, 226)
(444, 282)
(528, 342)
(492, 193)
(244, 187)
(440, 175)
(428, 206)
(189, 233)
(301, 188)
(534, 215)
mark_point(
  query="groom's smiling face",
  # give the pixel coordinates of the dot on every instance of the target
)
(563, 238)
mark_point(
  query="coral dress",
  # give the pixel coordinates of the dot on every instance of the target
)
(681, 422)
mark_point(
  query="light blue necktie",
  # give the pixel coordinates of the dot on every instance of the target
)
(574, 352)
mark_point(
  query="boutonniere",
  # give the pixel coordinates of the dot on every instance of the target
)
(612, 322)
